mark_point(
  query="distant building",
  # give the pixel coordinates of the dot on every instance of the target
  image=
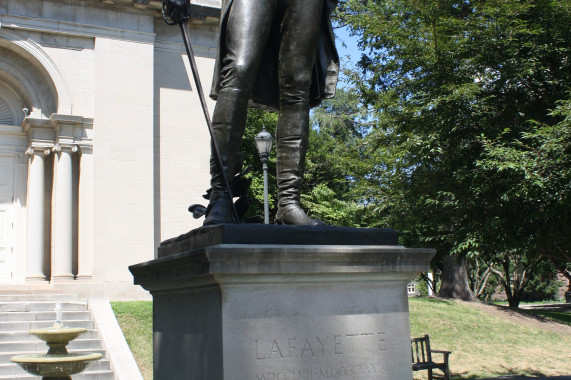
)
(103, 145)
(411, 289)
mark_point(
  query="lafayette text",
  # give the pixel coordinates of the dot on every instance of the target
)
(319, 346)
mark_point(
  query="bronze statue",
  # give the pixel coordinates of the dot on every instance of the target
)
(275, 54)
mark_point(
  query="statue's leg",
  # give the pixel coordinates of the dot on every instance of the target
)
(297, 57)
(249, 25)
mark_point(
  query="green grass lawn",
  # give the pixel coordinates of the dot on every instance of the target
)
(136, 321)
(486, 345)
(483, 345)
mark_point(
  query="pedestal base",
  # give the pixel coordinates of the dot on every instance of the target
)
(281, 312)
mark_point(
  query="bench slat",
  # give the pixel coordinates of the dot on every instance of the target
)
(423, 358)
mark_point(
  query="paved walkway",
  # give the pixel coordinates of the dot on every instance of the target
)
(548, 307)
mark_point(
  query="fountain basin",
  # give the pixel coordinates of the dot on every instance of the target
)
(55, 365)
(58, 334)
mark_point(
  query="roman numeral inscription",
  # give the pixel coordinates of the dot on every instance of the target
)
(349, 371)
(345, 349)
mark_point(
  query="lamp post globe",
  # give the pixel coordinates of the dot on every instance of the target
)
(264, 143)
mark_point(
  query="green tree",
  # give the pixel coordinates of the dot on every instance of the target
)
(539, 167)
(337, 161)
(444, 79)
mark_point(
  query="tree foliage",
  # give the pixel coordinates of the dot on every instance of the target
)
(454, 131)
(462, 94)
(539, 167)
(337, 160)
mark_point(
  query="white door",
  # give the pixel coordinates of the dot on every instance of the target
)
(6, 217)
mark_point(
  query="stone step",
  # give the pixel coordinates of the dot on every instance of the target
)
(25, 336)
(38, 297)
(25, 306)
(5, 356)
(15, 369)
(39, 346)
(88, 375)
(38, 289)
(27, 325)
(25, 310)
(43, 316)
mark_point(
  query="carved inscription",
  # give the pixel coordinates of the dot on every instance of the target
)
(319, 346)
(339, 347)
(352, 370)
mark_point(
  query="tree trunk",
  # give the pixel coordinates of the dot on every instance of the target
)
(511, 294)
(455, 280)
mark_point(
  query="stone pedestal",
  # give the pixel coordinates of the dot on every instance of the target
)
(303, 309)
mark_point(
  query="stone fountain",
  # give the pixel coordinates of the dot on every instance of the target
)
(57, 364)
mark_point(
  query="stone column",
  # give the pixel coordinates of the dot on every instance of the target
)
(85, 219)
(36, 216)
(62, 260)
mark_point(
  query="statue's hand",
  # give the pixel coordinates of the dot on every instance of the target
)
(176, 11)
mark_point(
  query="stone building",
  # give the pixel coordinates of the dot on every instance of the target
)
(102, 140)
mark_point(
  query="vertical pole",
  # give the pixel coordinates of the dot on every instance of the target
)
(266, 205)
(215, 149)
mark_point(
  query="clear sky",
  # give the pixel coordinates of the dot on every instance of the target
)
(348, 49)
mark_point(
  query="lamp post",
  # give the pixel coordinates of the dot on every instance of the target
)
(264, 142)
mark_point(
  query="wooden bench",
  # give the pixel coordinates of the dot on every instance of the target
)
(422, 358)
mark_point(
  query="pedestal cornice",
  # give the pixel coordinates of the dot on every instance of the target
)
(236, 263)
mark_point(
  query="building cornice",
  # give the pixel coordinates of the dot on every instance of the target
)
(153, 5)
(201, 15)
(72, 28)
(201, 8)
(156, 4)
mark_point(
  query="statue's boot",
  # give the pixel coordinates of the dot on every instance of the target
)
(292, 140)
(228, 126)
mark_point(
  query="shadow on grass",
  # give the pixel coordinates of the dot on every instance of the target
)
(510, 374)
(425, 299)
(539, 313)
